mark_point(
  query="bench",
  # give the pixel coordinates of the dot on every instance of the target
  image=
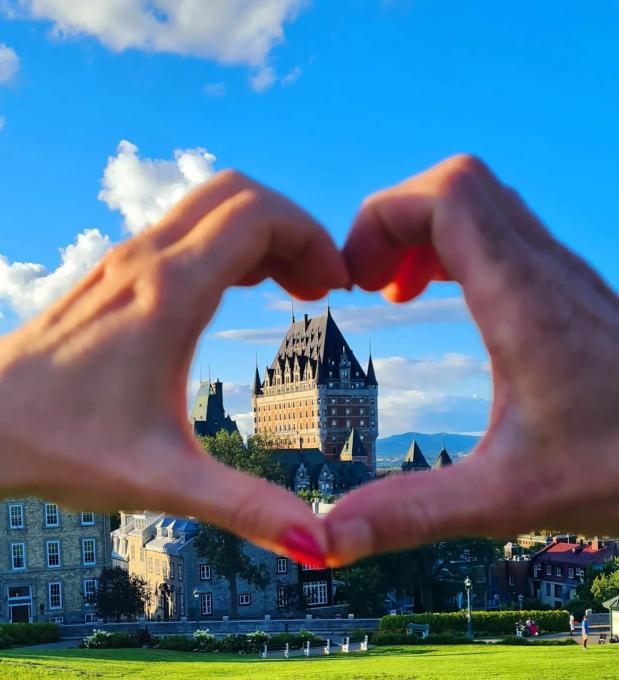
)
(418, 628)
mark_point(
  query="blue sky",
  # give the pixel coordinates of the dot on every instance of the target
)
(325, 102)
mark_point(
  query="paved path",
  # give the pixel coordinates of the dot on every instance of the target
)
(62, 644)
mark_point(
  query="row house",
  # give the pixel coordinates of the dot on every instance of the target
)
(50, 561)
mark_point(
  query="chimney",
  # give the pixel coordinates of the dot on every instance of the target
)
(305, 321)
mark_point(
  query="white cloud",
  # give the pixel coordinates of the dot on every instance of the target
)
(253, 335)
(228, 31)
(9, 63)
(263, 79)
(27, 288)
(292, 76)
(215, 89)
(144, 189)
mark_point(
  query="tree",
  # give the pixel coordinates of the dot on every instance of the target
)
(120, 594)
(606, 584)
(227, 557)
(315, 495)
(256, 458)
(364, 588)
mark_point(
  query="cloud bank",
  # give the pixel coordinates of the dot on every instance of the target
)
(28, 288)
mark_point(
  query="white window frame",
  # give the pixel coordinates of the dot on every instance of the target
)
(282, 596)
(20, 516)
(90, 617)
(59, 595)
(180, 572)
(549, 570)
(49, 554)
(95, 587)
(205, 571)
(570, 572)
(171, 571)
(55, 513)
(94, 551)
(558, 572)
(282, 565)
(315, 593)
(244, 599)
(92, 519)
(206, 604)
(23, 556)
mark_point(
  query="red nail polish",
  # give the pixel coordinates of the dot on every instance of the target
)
(304, 548)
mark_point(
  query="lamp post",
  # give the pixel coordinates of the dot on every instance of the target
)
(520, 599)
(469, 619)
(196, 594)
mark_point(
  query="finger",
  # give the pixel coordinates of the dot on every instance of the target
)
(258, 233)
(248, 506)
(418, 508)
(453, 208)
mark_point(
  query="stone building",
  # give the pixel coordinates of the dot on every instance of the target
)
(315, 393)
(50, 561)
(208, 415)
(160, 549)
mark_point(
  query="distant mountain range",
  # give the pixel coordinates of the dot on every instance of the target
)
(390, 451)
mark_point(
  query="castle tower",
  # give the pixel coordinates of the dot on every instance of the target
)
(315, 393)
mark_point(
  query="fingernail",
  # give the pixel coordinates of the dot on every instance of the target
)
(304, 548)
(350, 540)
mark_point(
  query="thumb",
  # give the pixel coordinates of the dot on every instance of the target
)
(416, 509)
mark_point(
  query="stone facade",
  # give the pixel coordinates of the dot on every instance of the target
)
(160, 549)
(315, 392)
(50, 561)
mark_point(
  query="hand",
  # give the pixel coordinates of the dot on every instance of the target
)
(93, 390)
(550, 456)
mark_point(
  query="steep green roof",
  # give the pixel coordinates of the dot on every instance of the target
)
(415, 460)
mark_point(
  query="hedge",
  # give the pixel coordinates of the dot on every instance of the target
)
(30, 633)
(523, 642)
(486, 623)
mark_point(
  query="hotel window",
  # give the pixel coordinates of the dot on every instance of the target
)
(206, 604)
(558, 571)
(333, 411)
(180, 572)
(333, 400)
(16, 516)
(88, 518)
(536, 570)
(548, 589)
(347, 411)
(51, 515)
(315, 592)
(18, 556)
(88, 551)
(55, 595)
(361, 411)
(333, 423)
(142, 554)
(549, 570)
(244, 599)
(348, 423)
(132, 552)
(150, 564)
(282, 565)
(282, 596)
(205, 572)
(172, 570)
(570, 572)
(362, 423)
(53, 554)
(90, 592)
(164, 569)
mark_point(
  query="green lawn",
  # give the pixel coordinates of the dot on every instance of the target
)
(478, 662)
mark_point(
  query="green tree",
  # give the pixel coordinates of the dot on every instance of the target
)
(227, 557)
(120, 594)
(364, 588)
(606, 584)
(255, 459)
(315, 495)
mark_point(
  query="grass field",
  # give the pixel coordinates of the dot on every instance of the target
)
(478, 662)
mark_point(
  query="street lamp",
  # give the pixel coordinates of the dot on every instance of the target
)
(196, 594)
(469, 619)
(520, 599)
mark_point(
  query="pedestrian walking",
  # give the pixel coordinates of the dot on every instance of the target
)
(571, 624)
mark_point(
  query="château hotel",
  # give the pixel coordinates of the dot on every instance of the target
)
(316, 395)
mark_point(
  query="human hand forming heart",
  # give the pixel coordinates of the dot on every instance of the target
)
(102, 373)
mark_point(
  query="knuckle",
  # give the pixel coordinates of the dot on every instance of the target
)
(463, 174)
(231, 177)
(469, 164)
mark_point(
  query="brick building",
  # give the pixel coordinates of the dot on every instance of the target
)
(160, 549)
(50, 561)
(315, 393)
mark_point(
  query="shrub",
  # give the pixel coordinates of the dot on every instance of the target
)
(178, 643)
(255, 641)
(490, 623)
(204, 641)
(5, 640)
(358, 634)
(105, 639)
(30, 633)
(232, 643)
(522, 641)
